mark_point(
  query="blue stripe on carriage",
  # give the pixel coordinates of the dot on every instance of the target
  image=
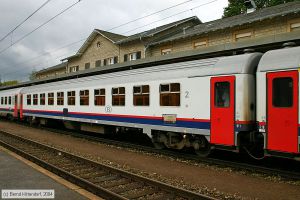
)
(131, 119)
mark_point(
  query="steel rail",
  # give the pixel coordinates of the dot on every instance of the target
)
(77, 169)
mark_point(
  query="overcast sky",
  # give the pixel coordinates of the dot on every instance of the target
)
(39, 50)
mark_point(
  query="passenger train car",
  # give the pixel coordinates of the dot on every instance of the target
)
(242, 101)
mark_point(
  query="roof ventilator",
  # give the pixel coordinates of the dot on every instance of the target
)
(246, 51)
(288, 44)
(250, 5)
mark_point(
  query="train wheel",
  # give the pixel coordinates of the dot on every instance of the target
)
(202, 147)
(158, 145)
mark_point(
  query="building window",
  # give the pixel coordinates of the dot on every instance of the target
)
(98, 63)
(28, 99)
(51, 98)
(222, 94)
(98, 44)
(133, 56)
(141, 95)
(200, 43)
(294, 25)
(5, 100)
(84, 97)
(170, 94)
(166, 51)
(283, 92)
(74, 69)
(241, 35)
(99, 96)
(60, 98)
(2, 101)
(118, 96)
(35, 99)
(42, 99)
(110, 61)
(9, 100)
(87, 65)
(71, 98)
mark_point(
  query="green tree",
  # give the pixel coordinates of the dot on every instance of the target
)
(8, 83)
(32, 75)
(236, 7)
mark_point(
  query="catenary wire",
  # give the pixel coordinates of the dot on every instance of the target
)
(43, 54)
(24, 20)
(40, 26)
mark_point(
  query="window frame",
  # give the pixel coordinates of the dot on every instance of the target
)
(28, 100)
(71, 98)
(100, 96)
(51, 98)
(170, 94)
(118, 96)
(83, 97)
(141, 94)
(42, 99)
(291, 103)
(60, 100)
(217, 103)
(35, 99)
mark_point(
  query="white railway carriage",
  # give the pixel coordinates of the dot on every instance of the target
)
(191, 103)
(278, 101)
(10, 103)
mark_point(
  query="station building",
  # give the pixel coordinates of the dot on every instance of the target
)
(261, 30)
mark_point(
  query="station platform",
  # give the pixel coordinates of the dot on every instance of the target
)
(15, 173)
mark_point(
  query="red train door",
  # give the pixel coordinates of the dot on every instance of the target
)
(16, 106)
(222, 105)
(21, 106)
(282, 111)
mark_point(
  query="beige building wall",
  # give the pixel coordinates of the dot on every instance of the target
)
(49, 74)
(264, 28)
(132, 47)
(101, 48)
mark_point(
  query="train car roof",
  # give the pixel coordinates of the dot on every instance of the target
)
(11, 91)
(239, 64)
(280, 59)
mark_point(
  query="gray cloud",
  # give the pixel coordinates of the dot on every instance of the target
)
(78, 23)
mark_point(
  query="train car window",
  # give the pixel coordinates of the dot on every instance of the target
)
(51, 98)
(5, 100)
(118, 96)
(28, 99)
(222, 94)
(282, 92)
(170, 94)
(9, 100)
(42, 99)
(2, 101)
(35, 99)
(141, 95)
(84, 97)
(71, 98)
(99, 97)
(60, 98)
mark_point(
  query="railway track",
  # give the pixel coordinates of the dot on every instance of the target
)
(102, 180)
(259, 167)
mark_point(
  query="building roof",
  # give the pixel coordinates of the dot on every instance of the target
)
(120, 39)
(230, 22)
(113, 37)
(154, 31)
(53, 68)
